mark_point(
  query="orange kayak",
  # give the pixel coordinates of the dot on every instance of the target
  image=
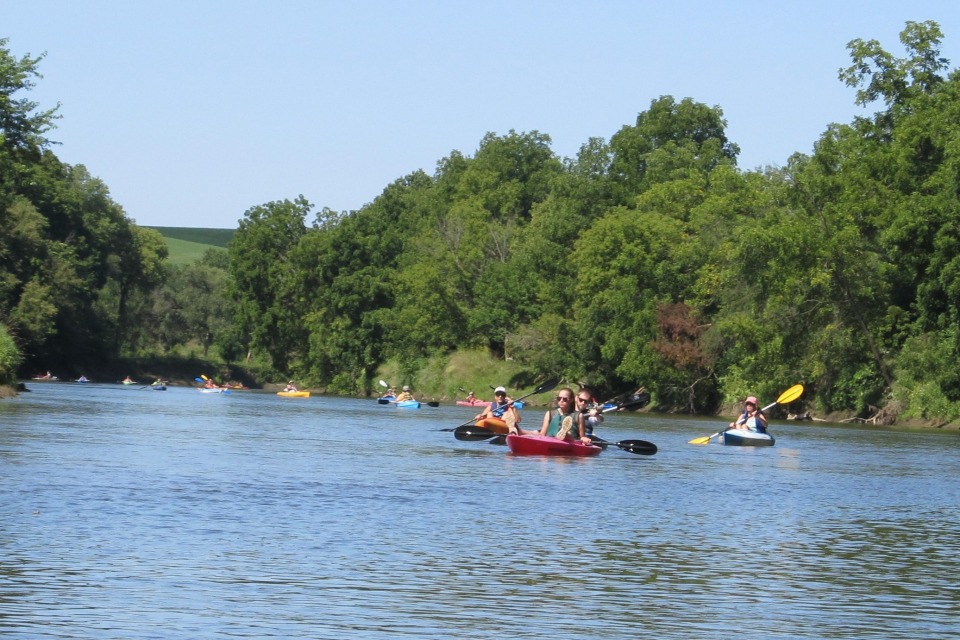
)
(496, 425)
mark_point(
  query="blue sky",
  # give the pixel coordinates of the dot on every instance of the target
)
(194, 111)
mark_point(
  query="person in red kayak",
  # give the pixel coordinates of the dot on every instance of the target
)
(502, 409)
(565, 422)
(592, 414)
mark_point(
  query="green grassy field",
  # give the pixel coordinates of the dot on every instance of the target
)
(187, 245)
(215, 237)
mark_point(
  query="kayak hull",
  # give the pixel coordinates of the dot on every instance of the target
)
(409, 404)
(205, 390)
(537, 445)
(293, 394)
(745, 438)
(478, 403)
(496, 425)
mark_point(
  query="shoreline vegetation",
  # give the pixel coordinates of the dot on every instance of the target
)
(838, 418)
(441, 380)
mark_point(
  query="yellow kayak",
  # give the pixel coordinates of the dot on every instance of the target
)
(294, 394)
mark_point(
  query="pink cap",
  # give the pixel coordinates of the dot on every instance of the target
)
(752, 400)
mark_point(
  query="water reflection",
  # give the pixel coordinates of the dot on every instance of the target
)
(179, 514)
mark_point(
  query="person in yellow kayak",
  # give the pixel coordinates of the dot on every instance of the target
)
(502, 409)
(290, 386)
(405, 394)
(565, 422)
(752, 418)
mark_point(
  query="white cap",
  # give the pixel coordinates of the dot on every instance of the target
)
(500, 390)
(406, 388)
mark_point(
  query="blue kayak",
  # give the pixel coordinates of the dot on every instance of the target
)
(745, 438)
(409, 404)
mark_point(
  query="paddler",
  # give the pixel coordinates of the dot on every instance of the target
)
(405, 395)
(565, 422)
(502, 409)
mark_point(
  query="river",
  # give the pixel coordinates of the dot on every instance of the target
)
(132, 513)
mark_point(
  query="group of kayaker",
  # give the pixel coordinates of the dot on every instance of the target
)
(574, 417)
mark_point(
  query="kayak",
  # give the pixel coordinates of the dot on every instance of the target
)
(214, 390)
(409, 404)
(158, 387)
(294, 394)
(496, 425)
(537, 445)
(746, 438)
(475, 403)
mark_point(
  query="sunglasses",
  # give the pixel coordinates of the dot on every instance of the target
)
(584, 399)
(563, 399)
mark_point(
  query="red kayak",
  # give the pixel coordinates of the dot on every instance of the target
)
(537, 445)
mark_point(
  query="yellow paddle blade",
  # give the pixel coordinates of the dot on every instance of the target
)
(790, 394)
(703, 440)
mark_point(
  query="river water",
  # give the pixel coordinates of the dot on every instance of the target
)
(129, 513)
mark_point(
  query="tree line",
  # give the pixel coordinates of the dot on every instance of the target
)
(649, 258)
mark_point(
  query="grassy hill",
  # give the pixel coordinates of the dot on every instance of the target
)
(215, 237)
(187, 245)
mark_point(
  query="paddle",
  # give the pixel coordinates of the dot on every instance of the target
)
(469, 433)
(639, 447)
(546, 386)
(786, 397)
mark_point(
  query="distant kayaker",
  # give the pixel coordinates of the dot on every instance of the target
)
(290, 387)
(405, 395)
(592, 415)
(752, 418)
(472, 399)
(565, 422)
(502, 408)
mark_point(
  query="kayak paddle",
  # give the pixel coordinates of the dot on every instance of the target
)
(639, 447)
(469, 433)
(786, 397)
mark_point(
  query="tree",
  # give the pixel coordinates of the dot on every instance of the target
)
(262, 276)
(22, 127)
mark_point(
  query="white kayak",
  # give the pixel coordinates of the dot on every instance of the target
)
(747, 438)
